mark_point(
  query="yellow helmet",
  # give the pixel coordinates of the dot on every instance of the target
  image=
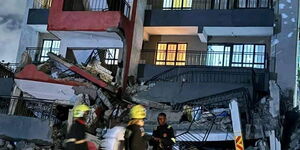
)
(137, 112)
(79, 110)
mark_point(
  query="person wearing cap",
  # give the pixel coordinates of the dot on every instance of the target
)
(75, 139)
(163, 134)
(135, 136)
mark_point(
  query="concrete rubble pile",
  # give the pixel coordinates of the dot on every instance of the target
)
(21, 145)
(68, 85)
(265, 115)
(92, 84)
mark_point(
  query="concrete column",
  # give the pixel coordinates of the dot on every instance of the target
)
(284, 45)
(138, 33)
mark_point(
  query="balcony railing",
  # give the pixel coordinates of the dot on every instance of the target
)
(39, 54)
(42, 4)
(208, 58)
(97, 5)
(30, 107)
(208, 4)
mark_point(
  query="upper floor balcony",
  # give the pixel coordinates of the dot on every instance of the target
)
(210, 13)
(88, 15)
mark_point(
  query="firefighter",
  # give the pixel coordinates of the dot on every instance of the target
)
(135, 136)
(163, 134)
(76, 135)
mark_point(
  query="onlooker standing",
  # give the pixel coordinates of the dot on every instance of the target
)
(163, 134)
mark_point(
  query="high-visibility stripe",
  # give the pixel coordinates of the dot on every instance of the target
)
(80, 141)
(173, 139)
(239, 143)
(74, 141)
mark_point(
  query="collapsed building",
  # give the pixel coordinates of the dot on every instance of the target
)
(113, 54)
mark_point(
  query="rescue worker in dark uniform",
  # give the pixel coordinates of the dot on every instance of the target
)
(75, 139)
(135, 136)
(163, 134)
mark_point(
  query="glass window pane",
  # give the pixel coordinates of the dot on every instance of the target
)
(248, 53)
(181, 52)
(167, 4)
(226, 56)
(263, 3)
(160, 63)
(187, 3)
(180, 63)
(223, 4)
(161, 52)
(252, 3)
(258, 66)
(171, 52)
(242, 3)
(117, 54)
(215, 55)
(177, 3)
(259, 54)
(236, 65)
(248, 65)
(170, 63)
(237, 53)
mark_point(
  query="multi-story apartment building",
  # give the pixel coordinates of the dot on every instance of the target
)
(190, 49)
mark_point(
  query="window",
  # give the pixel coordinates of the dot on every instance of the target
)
(177, 4)
(111, 56)
(236, 55)
(49, 46)
(171, 54)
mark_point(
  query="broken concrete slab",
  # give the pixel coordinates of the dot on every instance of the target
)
(46, 90)
(149, 103)
(30, 72)
(25, 128)
(83, 73)
(86, 90)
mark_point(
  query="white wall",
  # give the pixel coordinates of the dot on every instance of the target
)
(11, 23)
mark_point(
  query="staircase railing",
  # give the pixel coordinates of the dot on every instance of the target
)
(196, 135)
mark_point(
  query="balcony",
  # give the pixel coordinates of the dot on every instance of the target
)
(205, 67)
(108, 57)
(210, 13)
(226, 58)
(208, 4)
(88, 15)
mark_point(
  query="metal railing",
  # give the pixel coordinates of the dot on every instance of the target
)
(208, 4)
(42, 4)
(98, 5)
(39, 54)
(197, 132)
(212, 58)
(29, 107)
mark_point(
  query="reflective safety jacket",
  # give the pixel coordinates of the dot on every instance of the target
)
(166, 134)
(76, 137)
(136, 138)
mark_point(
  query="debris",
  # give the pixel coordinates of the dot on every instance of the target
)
(151, 103)
(83, 73)
(85, 90)
(113, 138)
